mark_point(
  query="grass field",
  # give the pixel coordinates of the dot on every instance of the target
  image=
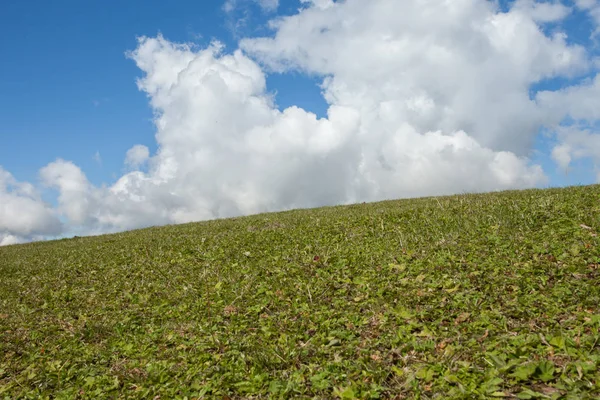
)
(473, 296)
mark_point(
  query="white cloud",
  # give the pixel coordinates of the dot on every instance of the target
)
(542, 11)
(580, 102)
(268, 5)
(23, 215)
(470, 63)
(561, 154)
(576, 143)
(137, 156)
(586, 4)
(432, 100)
(7, 239)
(75, 199)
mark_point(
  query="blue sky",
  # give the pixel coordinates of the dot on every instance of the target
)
(422, 99)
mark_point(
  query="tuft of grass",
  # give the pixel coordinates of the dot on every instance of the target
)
(471, 296)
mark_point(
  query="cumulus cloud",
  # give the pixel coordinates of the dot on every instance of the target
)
(450, 66)
(576, 143)
(137, 156)
(561, 154)
(431, 100)
(73, 187)
(23, 214)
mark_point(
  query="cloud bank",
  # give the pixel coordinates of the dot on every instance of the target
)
(431, 100)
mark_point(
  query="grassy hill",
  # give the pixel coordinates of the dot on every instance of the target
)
(474, 296)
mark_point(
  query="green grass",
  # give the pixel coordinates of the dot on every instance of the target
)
(473, 296)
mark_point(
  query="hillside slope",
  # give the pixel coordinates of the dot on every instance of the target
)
(473, 296)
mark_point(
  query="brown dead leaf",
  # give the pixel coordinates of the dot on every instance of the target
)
(485, 335)
(462, 318)
(230, 310)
